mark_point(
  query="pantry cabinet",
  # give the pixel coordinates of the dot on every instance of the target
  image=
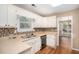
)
(7, 15)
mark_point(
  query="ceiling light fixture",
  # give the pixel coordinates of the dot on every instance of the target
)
(33, 5)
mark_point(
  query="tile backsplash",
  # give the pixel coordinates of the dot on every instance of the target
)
(6, 31)
(46, 29)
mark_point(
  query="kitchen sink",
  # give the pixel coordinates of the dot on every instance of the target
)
(27, 39)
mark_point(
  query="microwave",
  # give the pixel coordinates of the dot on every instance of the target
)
(24, 24)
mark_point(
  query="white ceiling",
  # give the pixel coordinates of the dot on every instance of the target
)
(47, 9)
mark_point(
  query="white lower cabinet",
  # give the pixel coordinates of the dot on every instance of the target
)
(51, 41)
(36, 45)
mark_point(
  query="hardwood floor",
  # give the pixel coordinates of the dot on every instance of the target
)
(49, 50)
(64, 48)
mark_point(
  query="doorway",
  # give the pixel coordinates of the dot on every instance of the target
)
(65, 34)
(65, 45)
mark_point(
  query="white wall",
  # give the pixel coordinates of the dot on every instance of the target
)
(75, 14)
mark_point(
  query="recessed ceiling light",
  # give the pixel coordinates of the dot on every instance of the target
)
(33, 5)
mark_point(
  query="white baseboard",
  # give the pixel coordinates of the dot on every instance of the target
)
(75, 49)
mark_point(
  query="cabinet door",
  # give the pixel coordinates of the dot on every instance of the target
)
(3, 15)
(12, 16)
(33, 44)
(52, 21)
(37, 44)
(51, 41)
(38, 22)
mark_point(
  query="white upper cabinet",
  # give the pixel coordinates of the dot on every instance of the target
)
(7, 16)
(3, 15)
(38, 22)
(51, 21)
(45, 22)
(12, 16)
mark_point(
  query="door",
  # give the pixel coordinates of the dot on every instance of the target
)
(65, 34)
(65, 45)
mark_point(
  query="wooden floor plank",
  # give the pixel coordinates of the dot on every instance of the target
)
(48, 50)
(64, 48)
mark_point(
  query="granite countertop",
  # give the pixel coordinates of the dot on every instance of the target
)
(16, 46)
(12, 46)
(38, 34)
